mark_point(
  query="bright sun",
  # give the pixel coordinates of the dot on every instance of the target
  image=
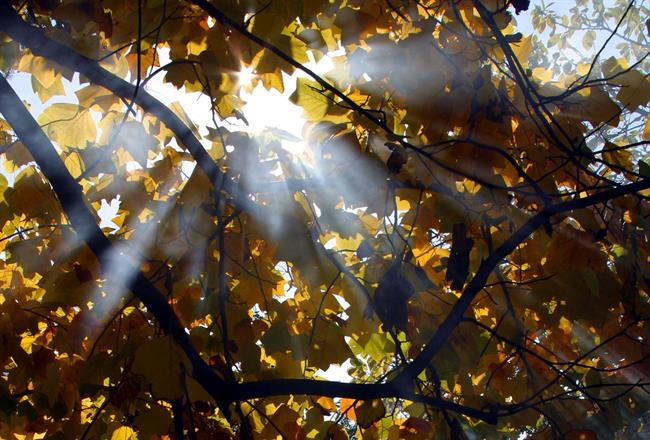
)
(245, 75)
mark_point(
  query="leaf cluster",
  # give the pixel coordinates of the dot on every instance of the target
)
(464, 234)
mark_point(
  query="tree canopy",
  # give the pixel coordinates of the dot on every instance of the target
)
(464, 227)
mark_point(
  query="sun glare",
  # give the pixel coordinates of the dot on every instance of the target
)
(245, 75)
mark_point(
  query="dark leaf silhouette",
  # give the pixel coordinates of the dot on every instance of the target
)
(458, 263)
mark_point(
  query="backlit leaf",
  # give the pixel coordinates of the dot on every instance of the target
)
(68, 125)
(311, 98)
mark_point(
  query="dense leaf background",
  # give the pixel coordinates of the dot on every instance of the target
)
(464, 227)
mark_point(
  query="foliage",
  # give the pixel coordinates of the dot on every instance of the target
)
(466, 229)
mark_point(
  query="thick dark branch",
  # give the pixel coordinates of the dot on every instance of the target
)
(544, 118)
(267, 388)
(35, 39)
(609, 38)
(487, 266)
(69, 192)
(222, 18)
(84, 222)
(177, 414)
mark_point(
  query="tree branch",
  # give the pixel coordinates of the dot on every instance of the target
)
(35, 39)
(477, 283)
(84, 222)
(360, 391)
(71, 197)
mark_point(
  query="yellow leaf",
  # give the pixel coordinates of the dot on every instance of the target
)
(622, 158)
(523, 48)
(3, 187)
(45, 93)
(116, 64)
(97, 98)
(124, 433)
(27, 342)
(69, 125)
(308, 96)
(40, 68)
(329, 347)
(634, 91)
(196, 47)
(177, 108)
(542, 74)
(273, 80)
(74, 164)
(228, 104)
(599, 108)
